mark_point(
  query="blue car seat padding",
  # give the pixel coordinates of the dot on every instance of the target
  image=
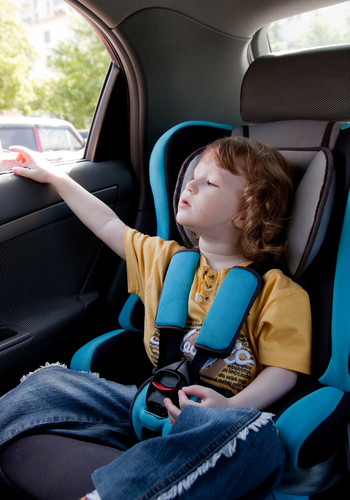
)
(240, 287)
(125, 316)
(276, 495)
(337, 373)
(294, 427)
(179, 277)
(313, 439)
(143, 419)
(81, 360)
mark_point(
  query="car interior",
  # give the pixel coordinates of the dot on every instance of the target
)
(181, 75)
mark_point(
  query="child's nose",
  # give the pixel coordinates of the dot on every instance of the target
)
(191, 186)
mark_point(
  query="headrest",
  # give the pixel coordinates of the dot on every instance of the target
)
(315, 190)
(294, 134)
(306, 144)
(310, 213)
(306, 85)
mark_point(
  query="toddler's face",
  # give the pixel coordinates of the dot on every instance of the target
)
(211, 199)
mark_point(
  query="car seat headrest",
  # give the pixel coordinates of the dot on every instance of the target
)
(314, 190)
(306, 135)
(310, 212)
(306, 144)
(306, 85)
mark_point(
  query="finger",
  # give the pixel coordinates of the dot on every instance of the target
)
(185, 401)
(24, 154)
(20, 149)
(172, 410)
(196, 390)
(22, 171)
(20, 158)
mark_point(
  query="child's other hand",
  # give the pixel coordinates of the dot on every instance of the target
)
(40, 169)
(207, 398)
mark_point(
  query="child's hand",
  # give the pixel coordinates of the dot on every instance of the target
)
(38, 168)
(207, 398)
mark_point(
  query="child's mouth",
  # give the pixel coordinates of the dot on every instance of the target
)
(184, 203)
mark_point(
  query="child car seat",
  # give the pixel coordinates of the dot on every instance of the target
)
(322, 409)
(307, 144)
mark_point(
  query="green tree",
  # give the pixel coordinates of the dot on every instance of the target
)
(16, 60)
(321, 31)
(79, 65)
(327, 26)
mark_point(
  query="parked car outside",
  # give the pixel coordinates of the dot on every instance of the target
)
(58, 140)
(84, 132)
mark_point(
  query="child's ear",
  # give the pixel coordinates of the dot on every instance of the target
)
(238, 221)
(239, 224)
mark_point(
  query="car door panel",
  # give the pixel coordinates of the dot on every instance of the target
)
(51, 265)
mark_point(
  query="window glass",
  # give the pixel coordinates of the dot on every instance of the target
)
(10, 136)
(327, 26)
(48, 67)
(58, 139)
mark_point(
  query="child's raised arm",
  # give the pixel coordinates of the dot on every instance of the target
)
(91, 211)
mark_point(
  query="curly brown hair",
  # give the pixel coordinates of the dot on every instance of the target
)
(266, 197)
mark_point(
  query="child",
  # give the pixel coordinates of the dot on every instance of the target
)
(236, 204)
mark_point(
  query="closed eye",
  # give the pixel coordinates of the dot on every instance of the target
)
(212, 184)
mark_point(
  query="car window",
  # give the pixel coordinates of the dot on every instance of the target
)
(322, 27)
(59, 139)
(58, 81)
(24, 136)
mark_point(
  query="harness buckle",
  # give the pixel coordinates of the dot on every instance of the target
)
(166, 383)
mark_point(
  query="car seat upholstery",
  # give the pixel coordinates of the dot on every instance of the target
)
(297, 103)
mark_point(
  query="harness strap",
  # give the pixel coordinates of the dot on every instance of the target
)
(172, 313)
(224, 320)
(179, 277)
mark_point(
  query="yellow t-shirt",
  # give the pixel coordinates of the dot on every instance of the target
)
(277, 331)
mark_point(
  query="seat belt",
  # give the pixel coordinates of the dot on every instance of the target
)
(217, 336)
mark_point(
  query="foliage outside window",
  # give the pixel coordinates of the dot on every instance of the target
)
(16, 60)
(78, 67)
(327, 26)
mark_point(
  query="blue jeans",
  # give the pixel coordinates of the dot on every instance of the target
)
(225, 453)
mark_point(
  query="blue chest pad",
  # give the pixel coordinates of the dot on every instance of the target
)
(227, 313)
(229, 310)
